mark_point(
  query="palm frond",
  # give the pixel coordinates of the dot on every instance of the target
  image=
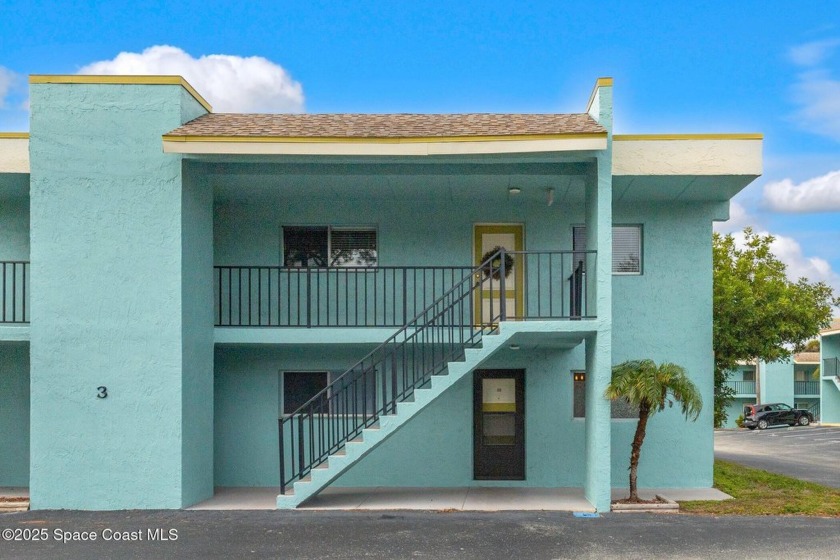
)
(645, 384)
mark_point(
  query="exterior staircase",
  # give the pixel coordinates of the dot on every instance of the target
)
(339, 462)
(453, 336)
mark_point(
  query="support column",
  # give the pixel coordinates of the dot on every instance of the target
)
(599, 295)
(122, 327)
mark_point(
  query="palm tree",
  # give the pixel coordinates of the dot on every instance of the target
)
(648, 386)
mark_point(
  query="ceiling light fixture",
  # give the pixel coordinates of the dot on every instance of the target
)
(514, 190)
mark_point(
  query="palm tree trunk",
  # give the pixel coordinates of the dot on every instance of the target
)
(644, 412)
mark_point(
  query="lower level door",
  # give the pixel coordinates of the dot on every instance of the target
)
(499, 425)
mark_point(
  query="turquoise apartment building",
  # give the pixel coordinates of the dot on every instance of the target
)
(790, 382)
(194, 300)
(830, 374)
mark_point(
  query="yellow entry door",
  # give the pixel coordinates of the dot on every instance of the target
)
(485, 239)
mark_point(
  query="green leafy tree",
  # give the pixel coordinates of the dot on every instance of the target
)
(651, 388)
(758, 313)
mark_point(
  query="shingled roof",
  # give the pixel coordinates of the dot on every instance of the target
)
(807, 358)
(401, 125)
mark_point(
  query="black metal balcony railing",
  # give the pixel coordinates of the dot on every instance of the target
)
(831, 366)
(541, 285)
(14, 292)
(459, 318)
(806, 387)
(742, 387)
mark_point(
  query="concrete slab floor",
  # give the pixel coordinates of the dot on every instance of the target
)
(675, 494)
(436, 499)
(14, 492)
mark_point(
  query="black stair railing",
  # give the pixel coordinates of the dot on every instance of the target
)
(422, 348)
(14, 286)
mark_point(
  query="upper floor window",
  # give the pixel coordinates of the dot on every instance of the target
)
(626, 247)
(323, 246)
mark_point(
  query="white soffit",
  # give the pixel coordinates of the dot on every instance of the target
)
(373, 148)
(694, 154)
(14, 153)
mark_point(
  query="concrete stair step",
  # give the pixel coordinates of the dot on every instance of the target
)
(10, 505)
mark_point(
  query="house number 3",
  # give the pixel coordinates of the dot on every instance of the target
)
(103, 392)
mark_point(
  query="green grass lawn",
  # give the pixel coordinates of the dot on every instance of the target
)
(757, 492)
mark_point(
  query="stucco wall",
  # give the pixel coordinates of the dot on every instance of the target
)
(106, 235)
(666, 315)
(197, 338)
(411, 231)
(435, 449)
(14, 414)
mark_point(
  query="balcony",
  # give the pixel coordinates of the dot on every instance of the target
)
(831, 366)
(806, 387)
(539, 285)
(14, 292)
(746, 388)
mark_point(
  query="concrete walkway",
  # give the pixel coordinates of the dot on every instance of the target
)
(439, 499)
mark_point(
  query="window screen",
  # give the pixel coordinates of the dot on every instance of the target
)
(352, 247)
(324, 246)
(626, 247)
(300, 386)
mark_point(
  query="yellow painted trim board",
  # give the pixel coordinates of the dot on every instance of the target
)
(498, 407)
(378, 140)
(600, 82)
(14, 135)
(147, 80)
(723, 136)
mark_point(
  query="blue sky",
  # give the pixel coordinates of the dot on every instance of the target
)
(770, 67)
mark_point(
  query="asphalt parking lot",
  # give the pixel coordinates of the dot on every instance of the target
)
(808, 453)
(400, 534)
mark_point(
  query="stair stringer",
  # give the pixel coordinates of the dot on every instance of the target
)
(321, 477)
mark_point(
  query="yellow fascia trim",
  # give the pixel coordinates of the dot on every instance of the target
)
(713, 136)
(15, 135)
(600, 82)
(377, 140)
(498, 407)
(146, 80)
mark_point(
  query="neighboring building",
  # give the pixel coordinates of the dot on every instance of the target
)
(791, 382)
(830, 374)
(177, 283)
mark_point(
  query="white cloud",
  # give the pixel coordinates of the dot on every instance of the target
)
(820, 194)
(816, 91)
(8, 80)
(230, 83)
(788, 250)
(813, 53)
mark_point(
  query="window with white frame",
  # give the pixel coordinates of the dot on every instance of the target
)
(326, 246)
(626, 247)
